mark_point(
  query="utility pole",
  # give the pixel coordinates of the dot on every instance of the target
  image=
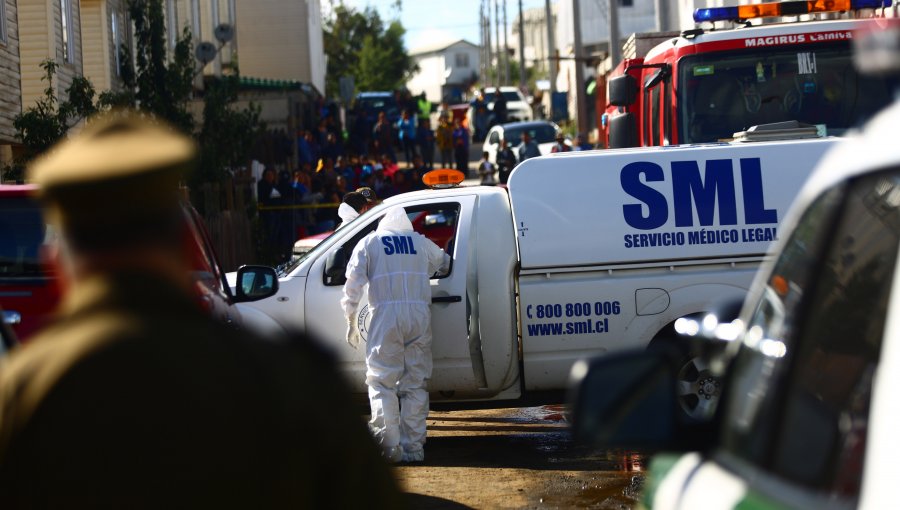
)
(615, 47)
(580, 99)
(490, 47)
(663, 20)
(551, 50)
(521, 47)
(498, 81)
(506, 76)
(483, 41)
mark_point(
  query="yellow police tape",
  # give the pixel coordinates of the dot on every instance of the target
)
(300, 206)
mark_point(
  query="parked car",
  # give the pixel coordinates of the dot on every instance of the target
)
(29, 285)
(517, 107)
(370, 104)
(306, 244)
(807, 414)
(543, 132)
(29, 288)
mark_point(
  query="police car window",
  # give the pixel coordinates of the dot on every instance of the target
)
(824, 360)
(822, 431)
(750, 406)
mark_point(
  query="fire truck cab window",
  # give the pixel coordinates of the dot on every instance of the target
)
(725, 92)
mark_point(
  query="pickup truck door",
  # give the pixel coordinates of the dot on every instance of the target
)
(447, 223)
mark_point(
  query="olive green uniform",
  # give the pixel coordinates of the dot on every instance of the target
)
(135, 398)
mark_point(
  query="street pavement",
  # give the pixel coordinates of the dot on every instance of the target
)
(516, 458)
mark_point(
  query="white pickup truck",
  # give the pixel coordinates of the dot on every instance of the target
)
(585, 253)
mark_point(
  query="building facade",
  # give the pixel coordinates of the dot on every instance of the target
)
(10, 78)
(446, 70)
(282, 40)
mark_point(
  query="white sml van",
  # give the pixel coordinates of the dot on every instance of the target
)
(586, 254)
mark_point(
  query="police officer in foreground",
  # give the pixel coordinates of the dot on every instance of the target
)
(136, 398)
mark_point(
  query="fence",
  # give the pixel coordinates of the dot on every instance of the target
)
(230, 219)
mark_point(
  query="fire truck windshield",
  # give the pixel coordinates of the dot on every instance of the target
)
(726, 92)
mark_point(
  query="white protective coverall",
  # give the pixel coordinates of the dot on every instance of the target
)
(346, 213)
(397, 263)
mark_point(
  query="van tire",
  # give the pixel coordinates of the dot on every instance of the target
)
(697, 390)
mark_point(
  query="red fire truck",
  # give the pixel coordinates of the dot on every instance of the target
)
(708, 83)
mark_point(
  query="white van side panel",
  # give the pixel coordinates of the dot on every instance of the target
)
(567, 316)
(652, 204)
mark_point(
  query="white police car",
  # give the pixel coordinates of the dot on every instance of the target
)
(807, 417)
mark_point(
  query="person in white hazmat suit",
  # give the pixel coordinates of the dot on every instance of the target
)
(397, 263)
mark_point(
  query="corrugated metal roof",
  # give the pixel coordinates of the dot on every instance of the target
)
(439, 46)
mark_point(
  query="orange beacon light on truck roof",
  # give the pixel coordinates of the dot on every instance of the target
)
(443, 178)
(794, 8)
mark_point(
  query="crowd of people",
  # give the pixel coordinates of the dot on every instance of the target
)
(373, 150)
(389, 157)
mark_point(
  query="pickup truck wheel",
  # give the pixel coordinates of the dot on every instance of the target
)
(698, 389)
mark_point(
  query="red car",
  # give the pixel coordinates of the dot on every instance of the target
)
(30, 289)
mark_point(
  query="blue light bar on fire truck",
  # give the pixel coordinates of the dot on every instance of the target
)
(794, 8)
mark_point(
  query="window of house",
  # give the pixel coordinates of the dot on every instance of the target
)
(117, 41)
(68, 31)
(3, 34)
(626, 3)
(462, 60)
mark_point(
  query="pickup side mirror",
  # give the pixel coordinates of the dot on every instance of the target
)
(255, 283)
(629, 400)
(623, 90)
(661, 74)
(336, 267)
(623, 131)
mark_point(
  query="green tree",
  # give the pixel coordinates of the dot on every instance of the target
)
(45, 123)
(359, 44)
(153, 82)
(228, 134)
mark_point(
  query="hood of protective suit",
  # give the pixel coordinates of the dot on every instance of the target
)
(395, 220)
(347, 213)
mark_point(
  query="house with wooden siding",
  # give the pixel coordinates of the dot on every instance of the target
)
(446, 69)
(105, 28)
(49, 30)
(10, 78)
(282, 40)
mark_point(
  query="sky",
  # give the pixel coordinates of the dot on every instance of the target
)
(428, 21)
